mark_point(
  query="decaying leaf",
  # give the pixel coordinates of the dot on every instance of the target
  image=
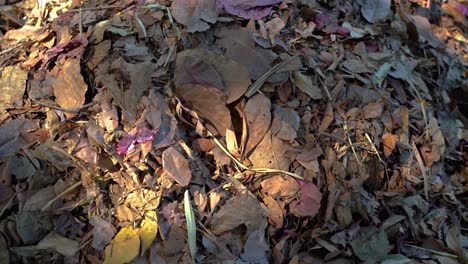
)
(177, 166)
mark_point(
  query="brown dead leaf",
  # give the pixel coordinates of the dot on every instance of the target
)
(197, 66)
(373, 110)
(209, 103)
(11, 139)
(177, 166)
(328, 118)
(202, 145)
(389, 143)
(103, 232)
(274, 27)
(235, 212)
(69, 86)
(258, 114)
(280, 186)
(12, 86)
(309, 203)
(241, 47)
(275, 214)
(270, 153)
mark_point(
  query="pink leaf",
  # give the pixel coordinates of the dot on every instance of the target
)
(309, 203)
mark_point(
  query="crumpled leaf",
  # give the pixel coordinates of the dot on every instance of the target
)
(249, 9)
(258, 114)
(371, 245)
(235, 212)
(375, 10)
(103, 232)
(124, 247)
(127, 143)
(198, 66)
(69, 86)
(177, 166)
(309, 203)
(12, 86)
(148, 230)
(306, 85)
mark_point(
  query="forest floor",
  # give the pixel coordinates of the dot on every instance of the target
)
(248, 131)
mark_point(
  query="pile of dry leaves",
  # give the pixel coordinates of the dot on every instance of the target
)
(233, 131)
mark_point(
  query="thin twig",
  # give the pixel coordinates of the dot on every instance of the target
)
(93, 8)
(260, 81)
(66, 191)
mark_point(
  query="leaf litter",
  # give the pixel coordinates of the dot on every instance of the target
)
(233, 132)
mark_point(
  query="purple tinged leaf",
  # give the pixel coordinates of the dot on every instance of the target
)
(462, 9)
(127, 143)
(248, 9)
(145, 134)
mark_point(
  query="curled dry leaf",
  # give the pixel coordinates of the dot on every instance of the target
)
(309, 203)
(198, 66)
(177, 166)
(258, 114)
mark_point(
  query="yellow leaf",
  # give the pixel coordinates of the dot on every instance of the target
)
(148, 230)
(124, 247)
